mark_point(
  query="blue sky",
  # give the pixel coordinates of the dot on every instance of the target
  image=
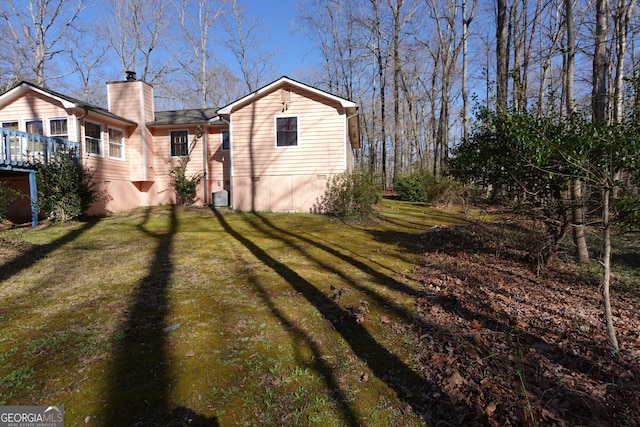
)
(293, 50)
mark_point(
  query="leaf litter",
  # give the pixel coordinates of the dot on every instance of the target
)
(505, 346)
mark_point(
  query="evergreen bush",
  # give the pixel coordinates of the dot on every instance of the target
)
(350, 196)
(66, 188)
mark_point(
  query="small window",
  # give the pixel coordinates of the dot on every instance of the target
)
(225, 140)
(14, 142)
(93, 138)
(286, 131)
(10, 125)
(116, 144)
(34, 126)
(58, 128)
(34, 145)
(179, 143)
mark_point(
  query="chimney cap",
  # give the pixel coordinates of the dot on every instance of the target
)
(131, 76)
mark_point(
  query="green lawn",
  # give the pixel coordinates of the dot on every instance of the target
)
(164, 315)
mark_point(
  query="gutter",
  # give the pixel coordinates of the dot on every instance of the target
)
(205, 165)
(78, 136)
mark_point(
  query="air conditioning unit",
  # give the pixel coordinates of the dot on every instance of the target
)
(220, 199)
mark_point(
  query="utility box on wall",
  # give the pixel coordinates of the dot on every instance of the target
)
(220, 199)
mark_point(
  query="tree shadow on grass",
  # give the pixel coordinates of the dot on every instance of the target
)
(408, 385)
(140, 382)
(36, 253)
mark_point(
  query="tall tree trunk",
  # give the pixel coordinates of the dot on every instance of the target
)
(577, 218)
(502, 56)
(397, 144)
(606, 269)
(623, 12)
(599, 92)
(466, 22)
(577, 211)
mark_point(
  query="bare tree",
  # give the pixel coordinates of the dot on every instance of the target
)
(37, 29)
(196, 19)
(136, 36)
(502, 55)
(244, 39)
(621, 20)
(600, 68)
(87, 59)
(466, 22)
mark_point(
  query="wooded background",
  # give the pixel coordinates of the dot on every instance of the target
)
(417, 68)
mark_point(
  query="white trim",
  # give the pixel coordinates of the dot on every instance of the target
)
(122, 146)
(347, 143)
(84, 138)
(34, 119)
(205, 165)
(2, 122)
(170, 142)
(275, 85)
(231, 166)
(275, 130)
(20, 90)
(49, 119)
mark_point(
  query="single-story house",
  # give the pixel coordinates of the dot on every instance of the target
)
(274, 149)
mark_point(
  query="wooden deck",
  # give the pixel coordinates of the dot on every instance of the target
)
(23, 151)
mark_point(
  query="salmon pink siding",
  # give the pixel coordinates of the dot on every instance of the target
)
(258, 174)
(219, 164)
(267, 177)
(36, 106)
(134, 101)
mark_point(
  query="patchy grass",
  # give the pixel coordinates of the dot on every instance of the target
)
(172, 316)
(165, 315)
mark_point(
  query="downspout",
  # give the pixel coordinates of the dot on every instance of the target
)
(78, 118)
(230, 162)
(205, 165)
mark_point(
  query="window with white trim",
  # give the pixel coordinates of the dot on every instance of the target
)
(58, 129)
(93, 138)
(14, 142)
(116, 144)
(224, 135)
(33, 146)
(34, 126)
(287, 131)
(179, 143)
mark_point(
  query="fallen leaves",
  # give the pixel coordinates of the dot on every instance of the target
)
(507, 347)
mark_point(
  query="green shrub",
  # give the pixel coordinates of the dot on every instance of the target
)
(66, 188)
(414, 187)
(423, 187)
(8, 196)
(351, 196)
(185, 186)
(626, 206)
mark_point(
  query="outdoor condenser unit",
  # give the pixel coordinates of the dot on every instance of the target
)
(220, 199)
